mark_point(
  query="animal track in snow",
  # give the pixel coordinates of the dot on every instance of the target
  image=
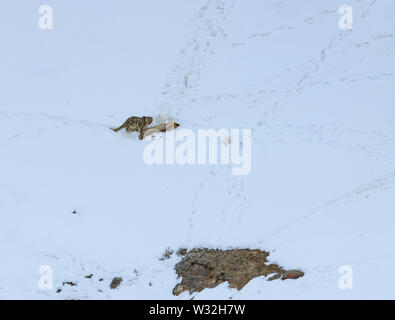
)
(371, 143)
(207, 38)
(382, 182)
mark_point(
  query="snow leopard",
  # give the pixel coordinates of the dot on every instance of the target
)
(138, 124)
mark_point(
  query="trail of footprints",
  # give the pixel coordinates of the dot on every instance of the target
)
(235, 196)
(384, 182)
(207, 38)
(371, 143)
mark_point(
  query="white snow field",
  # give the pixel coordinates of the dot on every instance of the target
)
(318, 99)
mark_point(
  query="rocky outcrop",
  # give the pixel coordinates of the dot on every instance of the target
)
(207, 268)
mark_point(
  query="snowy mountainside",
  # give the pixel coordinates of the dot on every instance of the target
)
(319, 101)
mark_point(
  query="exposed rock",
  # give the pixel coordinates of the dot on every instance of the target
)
(292, 274)
(207, 268)
(179, 289)
(116, 282)
(182, 252)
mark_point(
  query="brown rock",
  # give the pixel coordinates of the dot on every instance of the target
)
(116, 282)
(207, 268)
(292, 274)
(182, 252)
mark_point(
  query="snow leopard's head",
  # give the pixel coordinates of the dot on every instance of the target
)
(147, 120)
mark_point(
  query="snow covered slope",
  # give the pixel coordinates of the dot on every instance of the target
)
(319, 101)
